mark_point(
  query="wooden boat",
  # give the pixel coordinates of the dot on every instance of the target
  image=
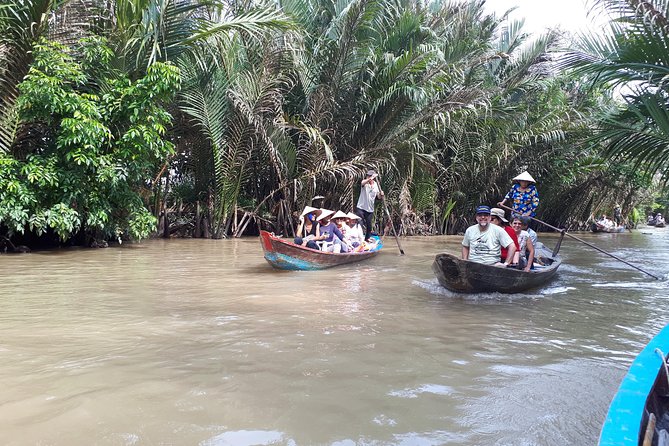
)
(639, 412)
(465, 276)
(284, 254)
(596, 227)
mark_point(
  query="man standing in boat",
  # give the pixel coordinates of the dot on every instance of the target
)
(369, 190)
(483, 241)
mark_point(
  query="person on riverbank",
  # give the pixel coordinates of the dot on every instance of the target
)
(498, 217)
(370, 190)
(307, 232)
(526, 257)
(523, 198)
(483, 241)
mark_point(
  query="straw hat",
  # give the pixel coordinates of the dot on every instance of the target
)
(499, 213)
(325, 213)
(339, 214)
(525, 176)
(309, 210)
(352, 216)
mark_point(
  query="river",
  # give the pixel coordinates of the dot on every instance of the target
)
(201, 342)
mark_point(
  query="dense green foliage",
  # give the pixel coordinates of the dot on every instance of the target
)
(93, 138)
(282, 102)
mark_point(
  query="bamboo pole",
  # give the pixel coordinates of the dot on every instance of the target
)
(588, 244)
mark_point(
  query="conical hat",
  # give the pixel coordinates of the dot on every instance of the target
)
(339, 214)
(324, 214)
(309, 210)
(352, 216)
(525, 176)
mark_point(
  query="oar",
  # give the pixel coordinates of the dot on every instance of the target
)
(586, 243)
(397, 239)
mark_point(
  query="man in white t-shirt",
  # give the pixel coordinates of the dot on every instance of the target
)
(483, 242)
(369, 191)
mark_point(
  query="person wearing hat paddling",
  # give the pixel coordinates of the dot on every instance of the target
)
(497, 217)
(483, 241)
(307, 232)
(523, 198)
(617, 215)
(370, 190)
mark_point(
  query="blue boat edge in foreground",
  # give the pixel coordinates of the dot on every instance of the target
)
(623, 424)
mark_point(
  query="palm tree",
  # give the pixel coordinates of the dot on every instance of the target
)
(22, 22)
(631, 58)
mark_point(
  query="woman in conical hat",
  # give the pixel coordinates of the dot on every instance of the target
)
(355, 235)
(329, 230)
(523, 196)
(307, 229)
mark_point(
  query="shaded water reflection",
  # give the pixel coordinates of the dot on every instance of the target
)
(194, 342)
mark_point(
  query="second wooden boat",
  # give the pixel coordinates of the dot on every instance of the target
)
(284, 254)
(639, 412)
(465, 276)
(596, 227)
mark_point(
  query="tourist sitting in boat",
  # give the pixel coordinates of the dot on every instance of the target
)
(525, 255)
(659, 219)
(523, 196)
(341, 220)
(605, 223)
(483, 241)
(354, 235)
(307, 232)
(526, 227)
(332, 241)
(497, 217)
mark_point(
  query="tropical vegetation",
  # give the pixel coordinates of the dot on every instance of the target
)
(214, 119)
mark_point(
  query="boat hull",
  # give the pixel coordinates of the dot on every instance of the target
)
(464, 276)
(599, 228)
(286, 255)
(644, 390)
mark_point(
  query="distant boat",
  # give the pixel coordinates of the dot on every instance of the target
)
(465, 276)
(284, 254)
(596, 227)
(639, 412)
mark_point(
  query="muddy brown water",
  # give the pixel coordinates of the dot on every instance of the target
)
(201, 342)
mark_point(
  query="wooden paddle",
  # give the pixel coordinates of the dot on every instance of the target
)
(397, 239)
(564, 231)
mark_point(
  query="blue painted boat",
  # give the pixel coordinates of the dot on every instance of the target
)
(639, 412)
(284, 254)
